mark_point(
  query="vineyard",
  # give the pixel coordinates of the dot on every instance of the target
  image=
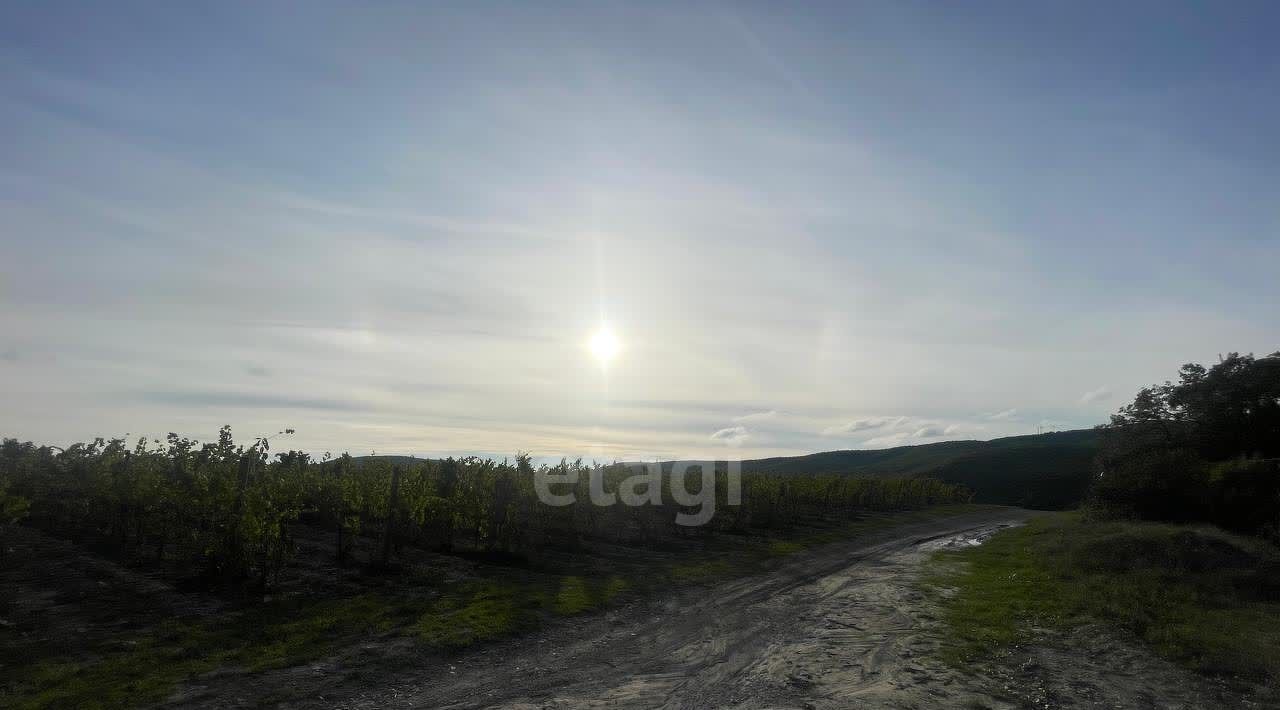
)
(229, 512)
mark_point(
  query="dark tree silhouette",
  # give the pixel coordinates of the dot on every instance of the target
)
(1203, 448)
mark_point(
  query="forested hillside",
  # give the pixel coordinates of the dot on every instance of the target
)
(1047, 471)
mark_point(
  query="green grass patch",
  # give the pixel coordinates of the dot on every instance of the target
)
(1196, 595)
(781, 548)
(576, 596)
(479, 612)
(700, 572)
(145, 668)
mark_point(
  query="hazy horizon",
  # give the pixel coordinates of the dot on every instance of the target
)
(400, 229)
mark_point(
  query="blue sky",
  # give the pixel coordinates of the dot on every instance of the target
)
(395, 227)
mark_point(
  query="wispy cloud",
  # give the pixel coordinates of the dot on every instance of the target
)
(732, 436)
(1097, 395)
(912, 431)
(768, 416)
(866, 424)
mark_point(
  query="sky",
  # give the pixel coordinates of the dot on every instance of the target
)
(396, 227)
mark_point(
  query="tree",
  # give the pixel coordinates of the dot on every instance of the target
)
(1158, 451)
(12, 509)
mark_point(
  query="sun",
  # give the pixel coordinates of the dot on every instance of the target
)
(604, 345)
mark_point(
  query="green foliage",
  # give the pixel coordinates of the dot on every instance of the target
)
(1197, 595)
(1228, 410)
(1204, 448)
(230, 510)
(1157, 484)
(12, 509)
(1245, 496)
(221, 505)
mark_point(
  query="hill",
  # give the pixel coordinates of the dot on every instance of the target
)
(1047, 471)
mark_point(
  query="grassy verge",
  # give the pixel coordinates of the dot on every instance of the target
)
(146, 666)
(1196, 595)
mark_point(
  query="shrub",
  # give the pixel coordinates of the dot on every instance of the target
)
(1156, 484)
(1246, 496)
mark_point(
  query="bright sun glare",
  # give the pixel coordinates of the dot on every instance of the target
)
(604, 345)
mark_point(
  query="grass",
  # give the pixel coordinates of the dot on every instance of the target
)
(782, 548)
(479, 612)
(490, 609)
(146, 667)
(1196, 595)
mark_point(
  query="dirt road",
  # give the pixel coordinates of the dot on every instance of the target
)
(842, 626)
